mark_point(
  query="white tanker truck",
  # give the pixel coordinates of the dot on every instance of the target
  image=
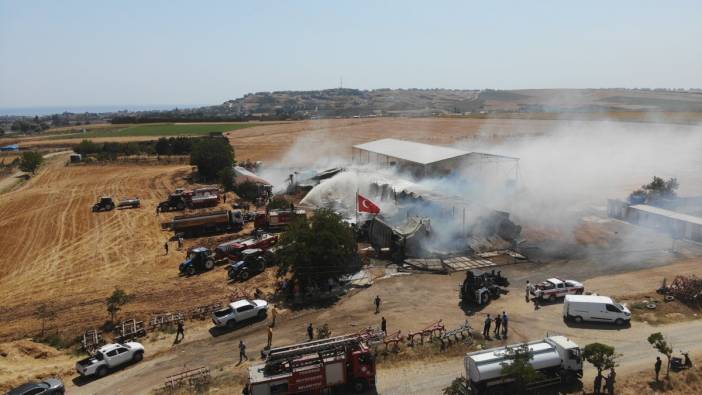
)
(556, 357)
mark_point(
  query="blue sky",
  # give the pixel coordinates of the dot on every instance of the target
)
(69, 53)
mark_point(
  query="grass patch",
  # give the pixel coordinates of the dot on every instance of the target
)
(159, 130)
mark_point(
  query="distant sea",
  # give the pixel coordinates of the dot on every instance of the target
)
(32, 111)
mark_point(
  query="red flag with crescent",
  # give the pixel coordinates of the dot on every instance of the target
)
(365, 205)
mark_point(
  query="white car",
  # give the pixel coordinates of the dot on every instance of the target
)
(555, 288)
(239, 311)
(109, 357)
(594, 308)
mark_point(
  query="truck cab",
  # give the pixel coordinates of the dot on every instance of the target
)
(252, 262)
(199, 259)
(110, 356)
(105, 203)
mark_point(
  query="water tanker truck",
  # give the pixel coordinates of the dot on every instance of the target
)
(556, 357)
(212, 222)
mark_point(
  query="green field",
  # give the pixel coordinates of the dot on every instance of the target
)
(159, 130)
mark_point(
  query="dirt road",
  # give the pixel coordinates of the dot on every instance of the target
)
(410, 302)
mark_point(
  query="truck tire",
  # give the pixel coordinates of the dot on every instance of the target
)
(138, 356)
(578, 319)
(102, 371)
(619, 322)
(209, 264)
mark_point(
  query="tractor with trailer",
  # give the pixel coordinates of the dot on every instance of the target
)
(106, 203)
(196, 198)
(277, 219)
(232, 249)
(342, 362)
(480, 287)
(199, 259)
(557, 358)
(202, 223)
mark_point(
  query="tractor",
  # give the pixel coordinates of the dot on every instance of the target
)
(104, 204)
(199, 259)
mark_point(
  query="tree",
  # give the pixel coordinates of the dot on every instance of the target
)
(459, 386)
(87, 147)
(601, 356)
(227, 178)
(115, 302)
(278, 202)
(247, 190)
(656, 190)
(659, 343)
(45, 313)
(211, 155)
(30, 161)
(321, 249)
(163, 147)
(518, 367)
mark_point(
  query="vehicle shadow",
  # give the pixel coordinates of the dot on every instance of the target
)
(596, 325)
(80, 381)
(217, 331)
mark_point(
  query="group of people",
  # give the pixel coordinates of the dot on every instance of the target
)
(608, 384)
(501, 326)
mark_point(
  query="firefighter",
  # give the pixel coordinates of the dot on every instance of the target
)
(242, 351)
(180, 332)
(505, 322)
(383, 325)
(310, 332)
(658, 367)
(377, 304)
(270, 336)
(486, 327)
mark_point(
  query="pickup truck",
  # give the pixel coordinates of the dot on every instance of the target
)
(555, 288)
(110, 356)
(239, 311)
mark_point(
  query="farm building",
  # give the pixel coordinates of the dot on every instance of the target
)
(420, 160)
(678, 225)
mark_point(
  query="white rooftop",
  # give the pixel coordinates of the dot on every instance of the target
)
(411, 151)
(667, 213)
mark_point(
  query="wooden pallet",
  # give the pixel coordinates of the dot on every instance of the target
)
(163, 320)
(426, 264)
(92, 340)
(189, 378)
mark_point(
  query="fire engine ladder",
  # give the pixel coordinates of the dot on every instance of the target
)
(288, 353)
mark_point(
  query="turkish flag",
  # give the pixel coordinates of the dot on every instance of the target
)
(365, 205)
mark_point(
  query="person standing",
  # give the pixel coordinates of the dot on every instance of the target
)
(597, 390)
(274, 314)
(242, 351)
(658, 367)
(486, 327)
(310, 332)
(270, 336)
(527, 291)
(180, 242)
(498, 323)
(383, 325)
(611, 379)
(165, 245)
(377, 304)
(179, 332)
(505, 322)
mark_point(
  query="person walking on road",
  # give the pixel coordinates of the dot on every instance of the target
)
(486, 327)
(242, 351)
(270, 336)
(179, 332)
(505, 322)
(377, 304)
(274, 314)
(165, 245)
(610, 381)
(658, 367)
(498, 323)
(383, 325)
(310, 332)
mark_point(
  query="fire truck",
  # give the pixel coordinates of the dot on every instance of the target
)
(317, 366)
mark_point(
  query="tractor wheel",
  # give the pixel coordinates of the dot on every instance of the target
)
(190, 271)
(209, 264)
(244, 275)
(180, 206)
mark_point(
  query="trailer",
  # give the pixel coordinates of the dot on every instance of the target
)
(277, 219)
(106, 203)
(212, 222)
(317, 366)
(232, 249)
(556, 357)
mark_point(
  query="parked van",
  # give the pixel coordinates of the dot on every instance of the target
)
(579, 308)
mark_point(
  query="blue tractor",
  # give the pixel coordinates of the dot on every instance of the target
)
(199, 259)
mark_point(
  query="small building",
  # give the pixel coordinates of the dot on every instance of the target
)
(76, 158)
(678, 225)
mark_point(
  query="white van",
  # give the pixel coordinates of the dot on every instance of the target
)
(579, 308)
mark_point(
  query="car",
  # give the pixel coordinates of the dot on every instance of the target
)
(110, 356)
(252, 262)
(555, 288)
(240, 311)
(595, 308)
(51, 386)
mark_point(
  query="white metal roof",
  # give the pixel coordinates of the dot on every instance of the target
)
(411, 151)
(589, 298)
(668, 213)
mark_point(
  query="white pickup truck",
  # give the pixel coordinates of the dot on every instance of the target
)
(555, 288)
(109, 357)
(239, 311)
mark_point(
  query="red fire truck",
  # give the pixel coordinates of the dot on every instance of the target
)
(315, 366)
(277, 219)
